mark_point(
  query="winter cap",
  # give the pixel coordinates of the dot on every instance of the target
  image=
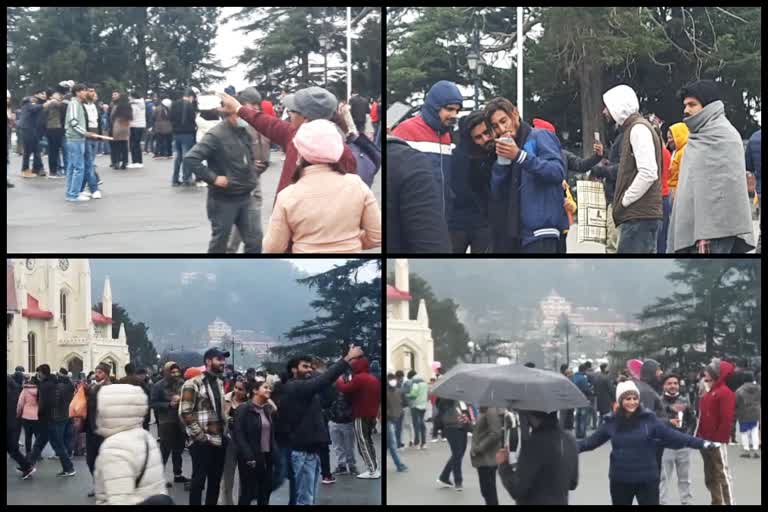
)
(214, 352)
(104, 367)
(166, 103)
(249, 95)
(170, 365)
(318, 142)
(625, 387)
(312, 103)
(544, 125)
(706, 91)
(193, 371)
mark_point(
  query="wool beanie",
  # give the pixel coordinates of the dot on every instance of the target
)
(706, 91)
(319, 142)
(625, 387)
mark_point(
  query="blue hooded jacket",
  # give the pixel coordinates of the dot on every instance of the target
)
(471, 165)
(752, 157)
(424, 133)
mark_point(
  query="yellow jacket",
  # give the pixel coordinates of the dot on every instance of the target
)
(679, 133)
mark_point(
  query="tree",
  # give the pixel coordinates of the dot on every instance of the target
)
(140, 349)
(349, 312)
(719, 305)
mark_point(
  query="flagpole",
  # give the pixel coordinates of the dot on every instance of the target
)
(349, 52)
(520, 60)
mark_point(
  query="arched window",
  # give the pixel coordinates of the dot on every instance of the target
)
(63, 308)
(31, 351)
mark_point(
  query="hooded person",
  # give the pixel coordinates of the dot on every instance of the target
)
(716, 412)
(711, 212)
(679, 134)
(364, 391)
(429, 133)
(637, 205)
(649, 386)
(469, 185)
(748, 414)
(129, 467)
(165, 396)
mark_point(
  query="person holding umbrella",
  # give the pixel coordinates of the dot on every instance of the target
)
(635, 432)
(457, 422)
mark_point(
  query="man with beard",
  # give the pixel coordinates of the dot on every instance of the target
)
(470, 175)
(711, 212)
(678, 415)
(302, 414)
(202, 411)
(166, 394)
(528, 190)
(637, 207)
(429, 133)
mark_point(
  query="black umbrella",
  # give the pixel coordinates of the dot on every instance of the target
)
(514, 386)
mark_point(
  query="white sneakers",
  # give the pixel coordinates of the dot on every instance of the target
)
(96, 195)
(134, 166)
(369, 475)
(201, 184)
(87, 196)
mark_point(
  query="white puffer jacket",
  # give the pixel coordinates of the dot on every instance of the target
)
(121, 410)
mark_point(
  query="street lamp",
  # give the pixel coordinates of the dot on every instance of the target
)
(472, 60)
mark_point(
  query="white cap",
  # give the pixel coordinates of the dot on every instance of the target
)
(166, 103)
(624, 387)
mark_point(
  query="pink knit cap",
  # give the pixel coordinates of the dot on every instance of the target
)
(319, 142)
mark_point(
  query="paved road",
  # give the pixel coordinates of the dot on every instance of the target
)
(418, 485)
(45, 488)
(140, 211)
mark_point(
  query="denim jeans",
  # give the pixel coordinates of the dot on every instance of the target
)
(638, 236)
(286, 471)
(419, 427)
(182, 143)
(399, 430)
(56, 431)
(89, 176)
(75, 168)
(661, 244)
(457, 440)
(581, 422)
(306, 470)
(392, 444)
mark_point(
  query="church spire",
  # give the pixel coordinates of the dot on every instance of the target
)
(106, 299)
(422, 317)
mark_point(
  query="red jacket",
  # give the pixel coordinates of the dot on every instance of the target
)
(267, 108)
(363, 389)
(666, 157)
(281, 132)
(717, 407)
(374, 112)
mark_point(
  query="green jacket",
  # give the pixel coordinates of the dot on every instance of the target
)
(75, 121)
(418, 393)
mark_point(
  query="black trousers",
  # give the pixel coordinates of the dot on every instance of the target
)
(487, 476)
(255, 483)
(172, 440)
(120, 148)
(207, 465)
(136, 136)
(325, 460)
(92, 445)
(12, 445)
(479, 239)
(457, 440)
(647, 493)
(55, 138)
(30, 429)
(542, 246)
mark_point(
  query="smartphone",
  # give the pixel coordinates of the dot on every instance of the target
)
(208, 102)
(597, 137)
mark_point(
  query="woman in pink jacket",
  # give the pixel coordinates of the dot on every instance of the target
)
(26, 409)
(325, 209)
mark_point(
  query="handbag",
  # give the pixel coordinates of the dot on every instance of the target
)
(78, 407)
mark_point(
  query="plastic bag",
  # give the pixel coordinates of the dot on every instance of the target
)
(78, 407)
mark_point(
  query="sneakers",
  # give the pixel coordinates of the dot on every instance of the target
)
(459, 488)
(443, 484)
(402, 468)
(341, 469)
(96, 195)
(434, 440)
(180, 479)
(755, 454)
(8, 184)
(135, 166)
(84, 196)
(54, 176)
(28, 174)
(745, 455)
(66, 473)
(368, 475)
(91, 493)
(422, 447)
(168, 485)
(201, 184)
(28, 473)
(329, 480)
(353, 469)
(101, 181)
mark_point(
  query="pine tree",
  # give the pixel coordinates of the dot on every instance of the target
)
(140, 349)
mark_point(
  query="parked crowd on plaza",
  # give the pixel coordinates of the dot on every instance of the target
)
(264, 428)
(652, 418)
(331, 150)
(499, 184)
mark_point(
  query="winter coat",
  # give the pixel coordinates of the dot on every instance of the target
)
(55, 113)
(752, 157)
(26, 408)
(54, 398)
(649, 398)
(301, 413)
(418, 393)
(29, 120)
(665, 158)
(91, 395)
(679, 132)
(160, 400)
(717, 408)
(121, 129)
(364, 390)
(669, 413)
(340, 410)
(125, 448)
(470, 200)
(711, 200)
(394, 403)
(582, 382)
(246, 433)
(183, 117)
(547, 467)
(605, 392)
(204, 419)
(11, 400)
(282, 133)
(539, 192)
(133, 380)
(633, 454)
(163, 121)
(139, 113)
(487, 438)
(425, 134)
(748, 402)
(415, 223)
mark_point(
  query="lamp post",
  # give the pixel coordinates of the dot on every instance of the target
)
(325, 43)
(472, 349)
(475, 63)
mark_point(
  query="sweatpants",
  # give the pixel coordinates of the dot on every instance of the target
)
(363, 431)
(750, 439)
(680, 459)
(717, 475)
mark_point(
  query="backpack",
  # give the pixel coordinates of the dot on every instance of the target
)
(368, 162)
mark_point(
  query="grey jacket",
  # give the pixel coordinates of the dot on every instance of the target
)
(487, 438)
(748, 402)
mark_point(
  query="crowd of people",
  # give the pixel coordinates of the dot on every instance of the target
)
(263, 428)
(499, 184)
(653, 419)
(331, 150)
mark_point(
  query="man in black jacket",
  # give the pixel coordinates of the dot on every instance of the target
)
(605, 392)
(53, 398)
(415, 222)
(12, 429)
(166, 394)
(183, 113)
(301, 410)
(548, 466)
(232, 175)
(92, 439)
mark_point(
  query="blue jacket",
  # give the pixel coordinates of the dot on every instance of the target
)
(470, 166)
(752, 157)
(582, 382)
(425, 134)
(541, 169)
(633, 457)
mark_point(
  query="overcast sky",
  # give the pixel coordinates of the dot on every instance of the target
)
(315, 266)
